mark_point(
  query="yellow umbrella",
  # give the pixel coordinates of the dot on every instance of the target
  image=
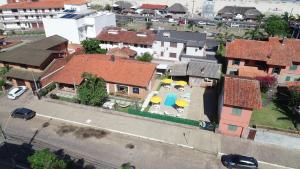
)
(167, 81)
(181, 83)
(181, 103)
(155, 99)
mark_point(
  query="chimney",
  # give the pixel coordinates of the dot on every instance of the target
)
(112, 58)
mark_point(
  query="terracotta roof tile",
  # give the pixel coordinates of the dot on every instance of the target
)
(120, 71)
(242, 92)
(153, 6)
(122, 52)
(273, 52)
(42, 4)
(251, 72)
(131, 37)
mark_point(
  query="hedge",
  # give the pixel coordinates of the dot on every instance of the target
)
(163, 117)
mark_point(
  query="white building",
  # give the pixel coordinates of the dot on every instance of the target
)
(141, 42)
(178, 45)
(29, 15)
(79, 25)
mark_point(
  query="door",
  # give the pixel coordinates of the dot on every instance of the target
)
(20, 82)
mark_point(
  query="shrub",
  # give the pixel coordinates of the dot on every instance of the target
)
(43, 92)
(266, 82)
(146, 57)
(53, 96)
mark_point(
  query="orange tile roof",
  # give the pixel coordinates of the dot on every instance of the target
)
(273, 52)
(122, 52)
(42, 4)
(153, 6)
(125, 36)
(253, 72)
(242, 92)
(120, 71)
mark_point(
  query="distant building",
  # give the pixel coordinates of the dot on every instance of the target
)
(113, 37)
(78, 25)
(29, 15)
(179, 45)
(239, 97)
(28, 62)
(239, 13)
(177, 8)
(154, 7)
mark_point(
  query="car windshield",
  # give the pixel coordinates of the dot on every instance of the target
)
(10, 94)
(19, 89)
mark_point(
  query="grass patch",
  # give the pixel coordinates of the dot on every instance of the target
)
(272, 116)
(1, 93)
(123, 109)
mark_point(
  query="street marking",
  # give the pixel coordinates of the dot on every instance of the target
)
(116, 131)
(275, 165)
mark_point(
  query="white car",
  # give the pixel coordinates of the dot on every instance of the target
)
(154, 20)
(16, 92)
(201, 23)
(171, 20)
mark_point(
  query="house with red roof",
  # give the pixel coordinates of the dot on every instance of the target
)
(279, 57)
(158, 7)
(239, 97)
(114, 37)
(124, 77)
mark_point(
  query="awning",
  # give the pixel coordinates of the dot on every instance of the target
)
(162, 66)
(23, 74)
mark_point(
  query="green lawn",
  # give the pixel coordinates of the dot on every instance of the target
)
(272, 117)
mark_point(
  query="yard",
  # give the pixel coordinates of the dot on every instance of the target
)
(273, 116)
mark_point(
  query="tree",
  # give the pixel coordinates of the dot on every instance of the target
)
(276, 26)
(92, 91)
(259, 20)
(146, 57)
(149, 25)
(107, 7)
(97, 7)
(220, 26)
(254, 34)
(93, 46)
(266, 82)
(45, 159)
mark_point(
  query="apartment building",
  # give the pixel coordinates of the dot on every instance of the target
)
(179, 45)
(278, 57)
(78, 25)
(113, 37)
(29, 15)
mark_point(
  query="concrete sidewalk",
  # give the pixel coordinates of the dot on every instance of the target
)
(186, 136)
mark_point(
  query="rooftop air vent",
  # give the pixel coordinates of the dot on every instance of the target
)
(166, 34)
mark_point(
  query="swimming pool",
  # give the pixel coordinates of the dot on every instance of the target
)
(170, 99)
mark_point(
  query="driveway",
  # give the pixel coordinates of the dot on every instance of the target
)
(8, 105)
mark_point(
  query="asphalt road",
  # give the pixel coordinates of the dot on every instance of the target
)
(105, 148)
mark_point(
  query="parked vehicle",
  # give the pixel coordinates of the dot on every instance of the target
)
(154, 20)
(171, 20)
(16, 92)
(168, 16)
(207, 125)
(23, 113)
(239, 161)
(201, 23)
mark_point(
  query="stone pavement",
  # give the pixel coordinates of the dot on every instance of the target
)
(181, 135)
(196, 110)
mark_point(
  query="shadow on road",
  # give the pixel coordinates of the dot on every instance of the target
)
(81, 132)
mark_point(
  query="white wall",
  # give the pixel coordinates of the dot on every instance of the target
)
(78, 8)
(66, 28)
(166, 49)
(139, 50)
(194, 51)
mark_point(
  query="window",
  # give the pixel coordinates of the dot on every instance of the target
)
(122, 89)
(294, 67)
(233, 72)
(50, 9)
(236, 111)
(36, 10)
(276, 70)
(196, 50)
(162, 44)
(173, 44)
(172, 55)
(136, 90)
(14, 10)
(288, 78)
(24, 10)
(236, 62)
(232, 127)
(162, 54)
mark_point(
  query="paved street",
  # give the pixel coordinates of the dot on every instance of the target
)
(208, 143)
(112, 148)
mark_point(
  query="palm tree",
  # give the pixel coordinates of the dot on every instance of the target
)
(254, 34)
(221, 25)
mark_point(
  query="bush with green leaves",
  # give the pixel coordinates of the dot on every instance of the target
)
(276, 26)
(92, 46)
(2, 83)
(92, 91)
(146, 57)
(45, 159)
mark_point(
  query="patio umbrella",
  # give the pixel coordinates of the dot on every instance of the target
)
(156, 99)
(181, 83)
(181, 103)
(167, 81)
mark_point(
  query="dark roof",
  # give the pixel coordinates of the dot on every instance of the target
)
(192, 43)
(123, 4)
(48, 42)
(181, 37)
(204, 69)
(177, 8)
(229, 11)
(23, 74)
(204, 58)
(212, 43)
(178, 69)
(32, 54)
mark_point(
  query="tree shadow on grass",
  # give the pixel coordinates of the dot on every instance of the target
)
(281, 102)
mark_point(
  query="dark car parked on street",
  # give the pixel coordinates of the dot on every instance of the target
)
(23, 113)
(239, 161)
